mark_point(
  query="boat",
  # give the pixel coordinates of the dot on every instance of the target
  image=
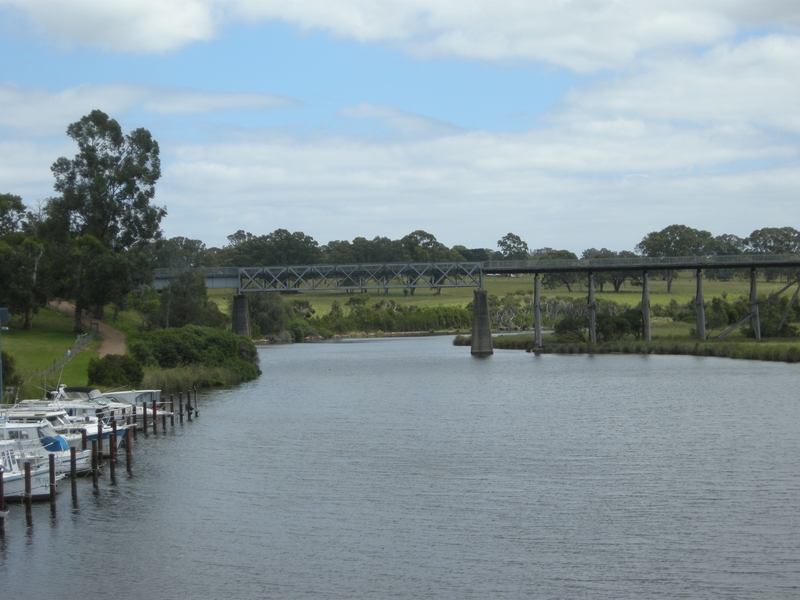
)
(12, 469)
(39, 439)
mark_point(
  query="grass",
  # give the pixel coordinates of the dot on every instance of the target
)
(46, 342)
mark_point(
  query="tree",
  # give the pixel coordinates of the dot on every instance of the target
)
(513, 248)
(107, 187)
(676, 240)
(12, 211)
(104, 210)
(185, 302)
(553, 280)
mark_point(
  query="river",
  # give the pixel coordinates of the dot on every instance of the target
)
(406, 468)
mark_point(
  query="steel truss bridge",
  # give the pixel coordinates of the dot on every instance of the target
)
(307, 278)
(386, 276)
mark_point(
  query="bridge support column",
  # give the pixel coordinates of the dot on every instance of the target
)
(481, 325)
(700, 307)
(592, 312)
(537, 312)
(646, 336)
(241, 315)
(755, 320)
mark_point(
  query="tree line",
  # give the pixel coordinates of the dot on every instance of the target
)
(98, 238)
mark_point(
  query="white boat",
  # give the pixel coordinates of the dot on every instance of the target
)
(12, 469)
(83, 401)
(39, 439)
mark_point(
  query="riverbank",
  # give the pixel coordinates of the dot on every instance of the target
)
(776, 350)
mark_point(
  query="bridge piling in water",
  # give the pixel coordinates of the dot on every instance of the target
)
(537, 312)
(241, 315)
(592, 311)
(481, 325)
(700, 307)
(646, 336)
(755, 320)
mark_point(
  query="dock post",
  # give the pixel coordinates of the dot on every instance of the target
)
(52, 464)
(172, 409)
(481, 325)
(155, 419)
(112, 463)
(73, 463)
(83, 439)
(2, 506)
(189, 408)
(537, 312)
(646, 336)
(700, 307)
(28, 496)
(755, 320)
(128, 452)
(99, 437)
(180, 406)
(95, 464)
(196, 403)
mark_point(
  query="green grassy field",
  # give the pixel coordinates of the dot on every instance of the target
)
(683, 290)
(48, 341)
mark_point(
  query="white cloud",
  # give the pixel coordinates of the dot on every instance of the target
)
(584, 35)
(399, 121)
(40, 112)
(749, 83)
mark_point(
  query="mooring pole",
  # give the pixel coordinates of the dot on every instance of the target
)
(592, 311)
(700, 307)
(755, 320)
(537, 312)
(52, 464)
(645, 307)
(28, 497)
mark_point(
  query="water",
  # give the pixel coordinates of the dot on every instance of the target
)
(405, 468)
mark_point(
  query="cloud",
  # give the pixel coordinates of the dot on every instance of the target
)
(399, 121)
(40, 112)
(122, 25)
(749, 83)
(583, 35)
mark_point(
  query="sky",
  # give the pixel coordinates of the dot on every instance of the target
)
(571, 123)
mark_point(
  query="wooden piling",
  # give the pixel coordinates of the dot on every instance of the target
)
(189, 408)
(52, 464)
(73, 463)
(83, 439)
(112, 463)
(128, 452)
(135, 424)
(28, 498)
(196, 403)
(95, 464)
(2, 505)
(180, 406)
(172, 410)
(100, 436)
(155, 419)
(164, 423)
(144, 417)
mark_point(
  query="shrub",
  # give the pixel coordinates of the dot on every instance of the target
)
(115, 370)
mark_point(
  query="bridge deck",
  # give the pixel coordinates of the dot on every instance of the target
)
(446, 275)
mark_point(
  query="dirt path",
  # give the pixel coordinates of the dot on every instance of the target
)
(113, 340)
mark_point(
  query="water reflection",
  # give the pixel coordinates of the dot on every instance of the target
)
(377, 468)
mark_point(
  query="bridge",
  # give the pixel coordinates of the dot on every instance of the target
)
(412, 276)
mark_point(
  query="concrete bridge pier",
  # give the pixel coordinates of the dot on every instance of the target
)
(592, 311)
(241, 316)
(755, 320)
(537, 312)
(646, 336)
(481, 325)
(700, 307)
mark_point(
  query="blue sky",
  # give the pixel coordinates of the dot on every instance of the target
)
(574, 125)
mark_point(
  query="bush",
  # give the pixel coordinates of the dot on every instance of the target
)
(115, 370)
(203, 346)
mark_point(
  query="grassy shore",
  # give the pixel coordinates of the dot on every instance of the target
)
(780, 350)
